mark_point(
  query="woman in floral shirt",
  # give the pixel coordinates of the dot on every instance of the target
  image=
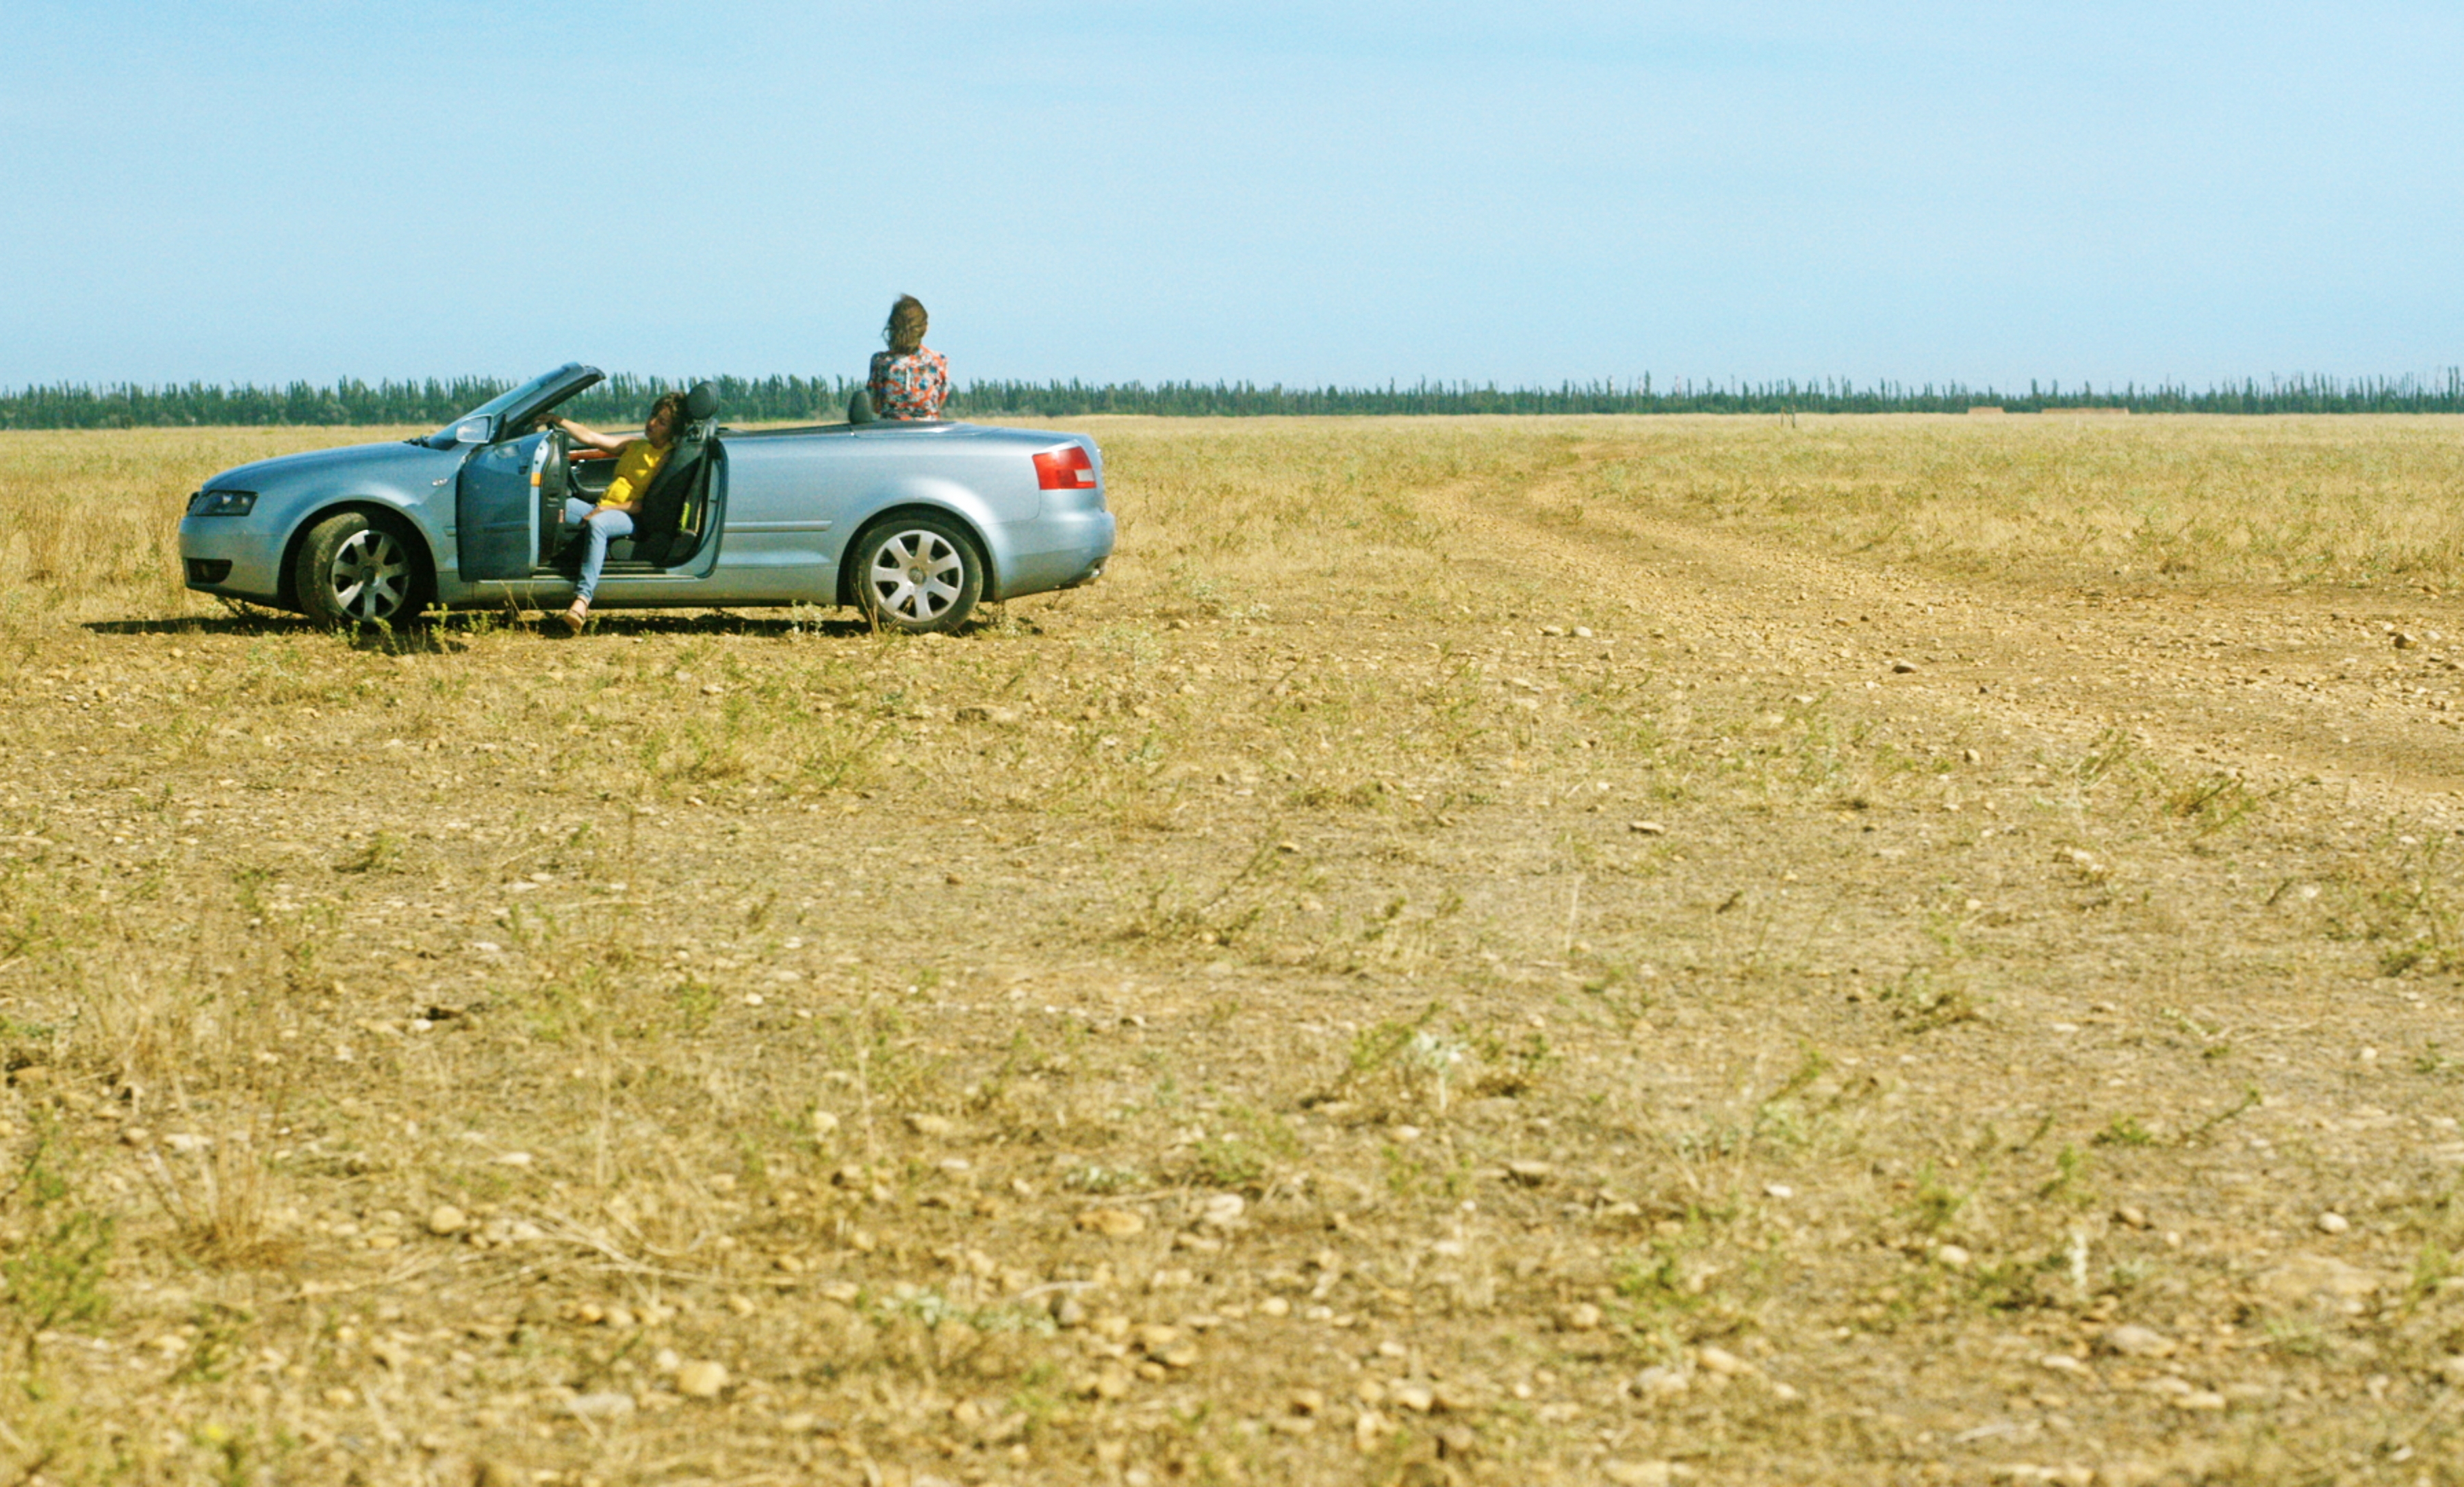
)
(908, 380)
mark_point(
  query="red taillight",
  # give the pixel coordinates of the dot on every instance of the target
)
(1065, 470)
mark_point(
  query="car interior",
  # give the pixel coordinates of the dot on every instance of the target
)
(676, 519)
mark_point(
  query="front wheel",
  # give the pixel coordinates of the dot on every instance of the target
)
(355, 570)
(919, 575)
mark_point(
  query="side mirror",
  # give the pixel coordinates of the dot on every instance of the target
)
(472, 430)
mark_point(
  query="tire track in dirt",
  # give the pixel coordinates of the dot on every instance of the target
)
(2278, 687)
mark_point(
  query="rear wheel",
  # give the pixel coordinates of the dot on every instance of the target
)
(355, 569)
(919, 575)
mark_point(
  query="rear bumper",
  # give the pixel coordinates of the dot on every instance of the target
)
(1066, 549)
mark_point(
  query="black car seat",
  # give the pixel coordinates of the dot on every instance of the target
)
(663, 536)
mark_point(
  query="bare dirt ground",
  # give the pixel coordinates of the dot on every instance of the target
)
(1600, 950)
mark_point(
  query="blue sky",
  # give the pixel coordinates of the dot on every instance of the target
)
(1280, 192)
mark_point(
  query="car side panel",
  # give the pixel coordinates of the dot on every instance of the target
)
(801, 498)
(784, 521)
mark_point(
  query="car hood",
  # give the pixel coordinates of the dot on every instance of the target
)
(329, 466)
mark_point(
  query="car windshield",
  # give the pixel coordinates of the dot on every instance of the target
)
(516, 397)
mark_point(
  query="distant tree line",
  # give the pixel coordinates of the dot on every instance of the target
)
(622, 399)
(619, 400)
(1193, 399)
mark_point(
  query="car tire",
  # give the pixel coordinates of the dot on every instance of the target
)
(917, 574)
(356, 570)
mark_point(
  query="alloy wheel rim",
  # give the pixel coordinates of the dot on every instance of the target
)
(370, 576)
(916, 576)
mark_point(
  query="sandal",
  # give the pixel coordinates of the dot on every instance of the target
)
(575, 618)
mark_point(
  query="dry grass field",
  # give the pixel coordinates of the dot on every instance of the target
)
(1595, 950)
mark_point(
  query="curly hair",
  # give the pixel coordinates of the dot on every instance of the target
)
(671, 404)
(905, 331)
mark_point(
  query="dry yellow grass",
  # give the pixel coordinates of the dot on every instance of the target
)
(2238, 502)
(1596, 950)
(2241, 504)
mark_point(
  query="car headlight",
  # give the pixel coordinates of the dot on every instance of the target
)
(222, 504)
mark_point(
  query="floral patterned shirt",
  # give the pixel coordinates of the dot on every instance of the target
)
(910, 385)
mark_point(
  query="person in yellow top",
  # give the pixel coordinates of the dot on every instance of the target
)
(637, 462)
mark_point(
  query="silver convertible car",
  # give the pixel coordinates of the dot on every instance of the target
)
(914, 523)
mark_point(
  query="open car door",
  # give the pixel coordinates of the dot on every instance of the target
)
(495, 518)
(496, 515)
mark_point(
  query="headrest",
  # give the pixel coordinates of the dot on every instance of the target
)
(702, 402)
(860, 406)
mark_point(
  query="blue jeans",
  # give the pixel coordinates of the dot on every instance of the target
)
(600, 527)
